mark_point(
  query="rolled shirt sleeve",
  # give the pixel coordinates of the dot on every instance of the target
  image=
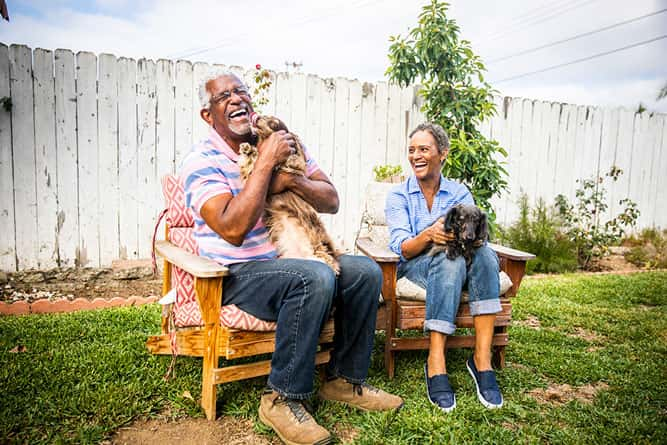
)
(397, 216)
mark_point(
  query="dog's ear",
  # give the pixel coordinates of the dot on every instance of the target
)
(482, 227)
(450, 218)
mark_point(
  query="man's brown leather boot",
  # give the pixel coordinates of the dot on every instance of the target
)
(291, 421)
(362, 396)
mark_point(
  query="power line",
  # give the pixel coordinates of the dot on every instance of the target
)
(578, 36)
(594, 56)
(302, 21)
(527, 16)
(540, 18)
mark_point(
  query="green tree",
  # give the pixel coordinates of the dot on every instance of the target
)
(456, 96)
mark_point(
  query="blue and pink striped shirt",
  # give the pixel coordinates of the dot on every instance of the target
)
(211, 169)
(407, 213)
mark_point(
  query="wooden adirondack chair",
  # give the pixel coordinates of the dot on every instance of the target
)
(196, 324)
(404, 306)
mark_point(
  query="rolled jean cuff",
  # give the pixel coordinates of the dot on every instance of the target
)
(442, 326)
(289, 395)
(483, 307)
(335, 372)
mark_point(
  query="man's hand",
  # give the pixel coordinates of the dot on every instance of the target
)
(281, 181)
(276, 148)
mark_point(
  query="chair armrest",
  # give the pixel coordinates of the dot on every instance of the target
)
(510, 253)
(381, 254)
(199, 267)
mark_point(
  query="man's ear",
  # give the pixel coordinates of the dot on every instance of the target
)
(205, 114)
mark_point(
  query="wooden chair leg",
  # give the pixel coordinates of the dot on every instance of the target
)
(389, 294)
(209, 295)
(498, 359)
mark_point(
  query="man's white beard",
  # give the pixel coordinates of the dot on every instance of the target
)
(241, 129)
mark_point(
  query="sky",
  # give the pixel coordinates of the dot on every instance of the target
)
(350, 38)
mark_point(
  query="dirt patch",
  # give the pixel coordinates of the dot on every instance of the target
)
(345, 433)
(186, 431)
(615, 261)
(124, 279)
(585, 334)
(530, 322)
(562, 394)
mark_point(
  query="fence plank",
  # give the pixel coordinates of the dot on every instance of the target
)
(45, 159)
(185, 113)
(8, 238)
(149, 189)
(341, 130)
(651, 161)
(89, 197)
(395, 123)
(354, 148)
(535, 153)
(658, 205)
(67, 159)
(283, 97)
(327, 131)
(200, 128)
(128, 173)
(607, 151)
(297, 122)
(164, 123)
(370, 155)
(637, 170)
(380, 129)
(108, 158)
(23, 144)
(311, 133)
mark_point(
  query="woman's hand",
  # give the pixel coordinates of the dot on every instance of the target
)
(436, 233)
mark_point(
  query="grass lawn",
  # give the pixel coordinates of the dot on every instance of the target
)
(83, 375)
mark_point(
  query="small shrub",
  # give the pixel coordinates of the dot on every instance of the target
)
(581, 220)
(387, 173)
(648, 250)
(538, 231)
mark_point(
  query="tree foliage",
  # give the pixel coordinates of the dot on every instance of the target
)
(456, 96)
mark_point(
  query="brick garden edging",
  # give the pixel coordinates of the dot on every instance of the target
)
(64, 305)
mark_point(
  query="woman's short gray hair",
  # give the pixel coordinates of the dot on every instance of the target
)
(214, 73)
(438, 133)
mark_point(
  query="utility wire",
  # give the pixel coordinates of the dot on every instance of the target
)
(302, 21)
(528, 15)
(536, 20)
(578, 36)
(594, 56)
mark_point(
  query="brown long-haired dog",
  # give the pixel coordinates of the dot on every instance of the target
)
(470, 228)
(294, 226)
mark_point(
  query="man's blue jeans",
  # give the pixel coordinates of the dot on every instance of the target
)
(299, 295)
(444, 279)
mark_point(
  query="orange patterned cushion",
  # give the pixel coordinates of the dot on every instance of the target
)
(186, 309)
(177, 214)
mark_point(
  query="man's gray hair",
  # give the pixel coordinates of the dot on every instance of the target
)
(213, 73)
(438, 133)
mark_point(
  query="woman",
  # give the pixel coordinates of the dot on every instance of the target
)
(414, 212)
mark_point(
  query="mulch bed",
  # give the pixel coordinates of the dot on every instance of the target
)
(125, 283)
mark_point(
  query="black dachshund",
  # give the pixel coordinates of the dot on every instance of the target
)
(470, 228)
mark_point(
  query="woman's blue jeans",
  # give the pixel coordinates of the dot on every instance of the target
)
(444, 279)
(299, 296)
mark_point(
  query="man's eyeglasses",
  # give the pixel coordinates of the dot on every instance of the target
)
(226, 95)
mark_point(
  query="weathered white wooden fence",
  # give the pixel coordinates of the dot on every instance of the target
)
(87, 138)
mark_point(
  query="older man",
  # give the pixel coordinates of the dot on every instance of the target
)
(297, 294)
